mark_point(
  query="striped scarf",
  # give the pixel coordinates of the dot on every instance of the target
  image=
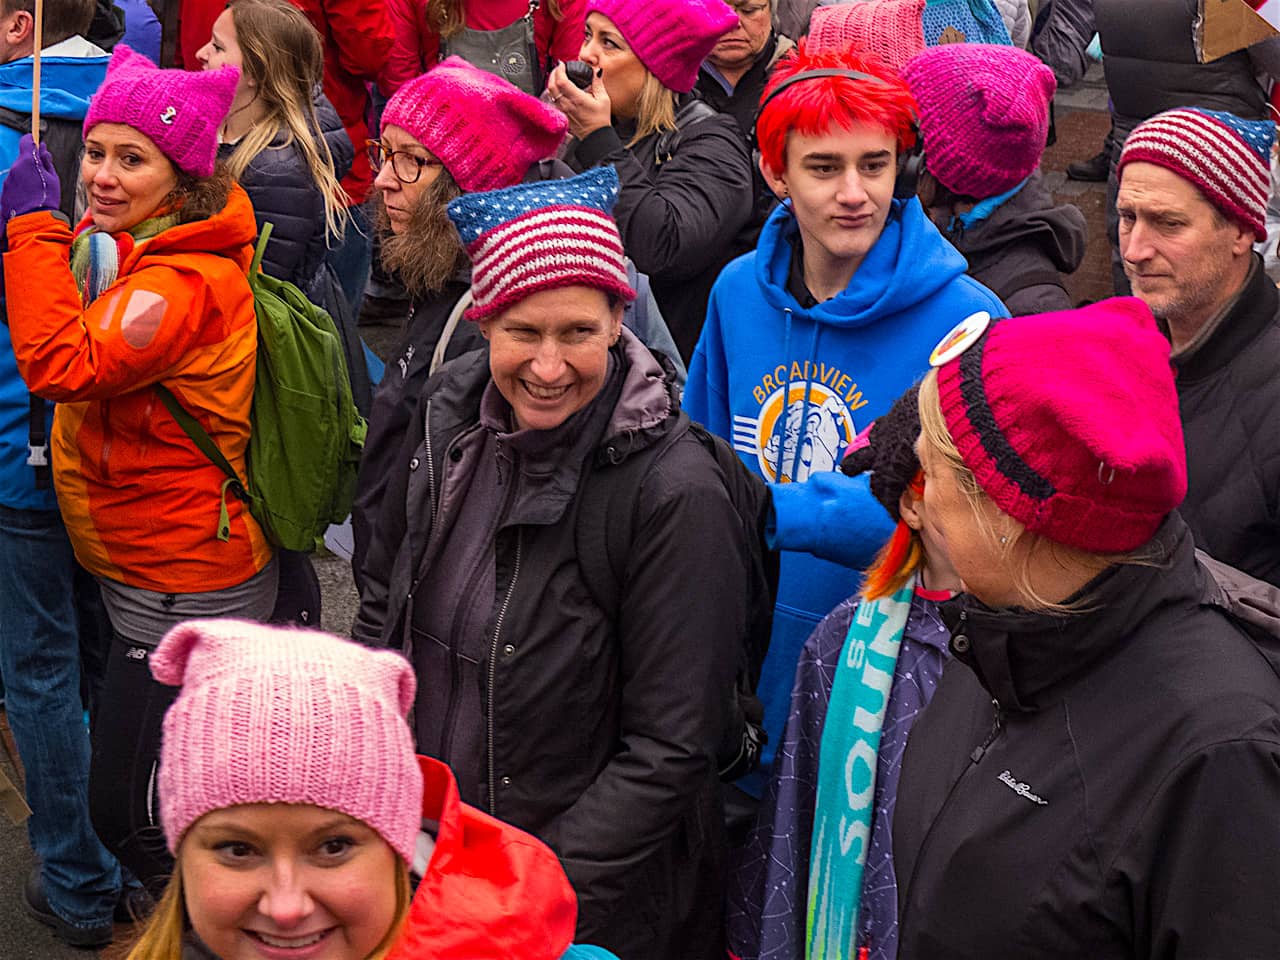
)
(96, 256)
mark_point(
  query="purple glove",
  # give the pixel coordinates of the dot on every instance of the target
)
(32, 183)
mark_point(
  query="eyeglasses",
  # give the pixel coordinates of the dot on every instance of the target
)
(747, 11)
(406, 166)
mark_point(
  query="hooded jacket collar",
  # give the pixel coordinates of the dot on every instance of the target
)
(1029, 216)
(908, 264)
(1024, 659)
(1255, 309)
(491, 891)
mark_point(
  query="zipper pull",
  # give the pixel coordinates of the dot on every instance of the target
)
(996, 724)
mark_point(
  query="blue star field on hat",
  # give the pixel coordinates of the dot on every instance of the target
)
(1258, 134)
(477, 213)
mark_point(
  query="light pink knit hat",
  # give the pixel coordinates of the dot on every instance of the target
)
(277, 715)
(892, 31)
(485, 130)
(670, 37)
(179, 110)
(984, 115)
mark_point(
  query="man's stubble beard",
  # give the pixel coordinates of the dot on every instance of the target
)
(429, 252)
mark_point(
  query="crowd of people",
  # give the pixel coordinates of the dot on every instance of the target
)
(761, 554)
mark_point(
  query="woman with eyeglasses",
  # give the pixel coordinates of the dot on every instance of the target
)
(454, 130)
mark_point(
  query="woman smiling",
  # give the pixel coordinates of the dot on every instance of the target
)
(149, 290)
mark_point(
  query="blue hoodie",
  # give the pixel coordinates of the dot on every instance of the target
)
(841, 364)
(66, 83)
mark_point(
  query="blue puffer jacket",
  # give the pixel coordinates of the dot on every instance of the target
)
(285, 194)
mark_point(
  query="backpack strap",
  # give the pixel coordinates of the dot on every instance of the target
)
(191, 427)
(38, 443)
(605, 524)
(255, 266)
(450, 325)
(691, 111)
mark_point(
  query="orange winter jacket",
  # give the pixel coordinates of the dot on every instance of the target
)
(140, 502)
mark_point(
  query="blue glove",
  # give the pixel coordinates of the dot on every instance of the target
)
(32, 183)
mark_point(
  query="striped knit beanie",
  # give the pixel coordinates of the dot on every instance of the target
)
(1069, 421)
(1228, 159)
(278, 715)
(670, 37)
(539, 236)
(984, 115)
(889, 30)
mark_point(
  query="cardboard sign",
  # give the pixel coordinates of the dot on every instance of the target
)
(1225, 26)
(12, 802)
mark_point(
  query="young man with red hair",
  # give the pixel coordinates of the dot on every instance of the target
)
(814, 334)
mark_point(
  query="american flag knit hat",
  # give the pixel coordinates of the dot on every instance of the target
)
(538, 236)
(1227, 158)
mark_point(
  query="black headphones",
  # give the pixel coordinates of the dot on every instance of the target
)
(910, 164)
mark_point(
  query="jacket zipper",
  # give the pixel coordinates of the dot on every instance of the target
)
(997, 725)
(493, 670)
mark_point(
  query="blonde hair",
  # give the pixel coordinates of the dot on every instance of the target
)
(935, 435)
(164, 933)
(655, 109)
(283, 54)
(448, 18)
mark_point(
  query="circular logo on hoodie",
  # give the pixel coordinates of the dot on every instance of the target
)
(804, 435)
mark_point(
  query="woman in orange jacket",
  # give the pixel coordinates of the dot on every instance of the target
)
(149, 290)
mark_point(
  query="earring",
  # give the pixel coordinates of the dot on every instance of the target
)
(1004, 540)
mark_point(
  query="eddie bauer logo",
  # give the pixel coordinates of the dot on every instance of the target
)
(1021, 789)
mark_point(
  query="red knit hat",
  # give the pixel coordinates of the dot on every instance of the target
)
(486, 131)
(1069, 421)
(890, 30)
(1226, 157)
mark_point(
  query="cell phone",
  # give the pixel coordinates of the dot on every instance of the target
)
(579, 74)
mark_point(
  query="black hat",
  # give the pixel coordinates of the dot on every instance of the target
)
(889, 452)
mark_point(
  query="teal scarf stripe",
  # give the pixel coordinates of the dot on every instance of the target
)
(847, 773)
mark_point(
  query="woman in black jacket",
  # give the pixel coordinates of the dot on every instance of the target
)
(1098, 772)
(686, 176)
(591, 725)
(285, 144)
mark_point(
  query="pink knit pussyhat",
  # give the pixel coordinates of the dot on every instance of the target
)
(892, 31)
(539, 236)
(984, 115)
(179, 110)
(278, 715)
(1069, 421)
(670, 37)
(485, 130)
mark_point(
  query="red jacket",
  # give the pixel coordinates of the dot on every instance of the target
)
(417, 43)
(491, 891)
(357, 39)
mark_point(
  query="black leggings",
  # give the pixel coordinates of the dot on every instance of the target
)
(122, 773)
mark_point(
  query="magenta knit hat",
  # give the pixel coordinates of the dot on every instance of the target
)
(1069, 421)
(485, 130)
(984, 115)
(538, 236)
(278, 715)
(670, 37)
(1227, 158)
(890, 30)
(179, 110)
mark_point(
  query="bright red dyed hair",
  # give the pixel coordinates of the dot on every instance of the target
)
(815, 107)
(898, 559)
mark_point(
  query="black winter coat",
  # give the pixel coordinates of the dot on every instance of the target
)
(396, 400)
(1021, 251)
(1229, 396)
(679, 218)
(283, 192)
(1151, 65)
(598, 735)
(1118, 801)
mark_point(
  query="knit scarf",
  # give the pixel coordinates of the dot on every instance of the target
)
(96, 256)
(847, 761)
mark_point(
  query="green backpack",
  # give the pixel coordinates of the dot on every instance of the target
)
(305, 434)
